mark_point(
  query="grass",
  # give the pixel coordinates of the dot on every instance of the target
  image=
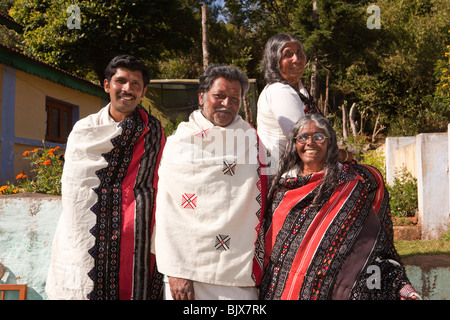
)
(422, 247)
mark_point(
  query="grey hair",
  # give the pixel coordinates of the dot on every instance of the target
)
(291, 159)
(272, 56)
(214, 71)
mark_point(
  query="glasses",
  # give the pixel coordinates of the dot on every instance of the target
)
(316, 137)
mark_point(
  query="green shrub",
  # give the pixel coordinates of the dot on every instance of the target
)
(403, 194)
(375, 158)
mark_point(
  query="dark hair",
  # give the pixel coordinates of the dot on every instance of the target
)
(272, 56)
(129, 62)
(214, 71)
(291, 159)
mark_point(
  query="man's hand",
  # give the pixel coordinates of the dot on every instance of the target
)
(181, 289)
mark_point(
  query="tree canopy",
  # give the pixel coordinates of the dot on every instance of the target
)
(106, 28)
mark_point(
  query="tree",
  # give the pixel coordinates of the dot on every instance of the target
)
(205, 43)
(143, 28)
(388, 72)
(231, 40)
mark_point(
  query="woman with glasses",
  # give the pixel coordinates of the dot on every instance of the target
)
(328, 231)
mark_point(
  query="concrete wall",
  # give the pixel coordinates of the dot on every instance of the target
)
(28, 223)
(395, 160)
(426, 156)
(433, 184)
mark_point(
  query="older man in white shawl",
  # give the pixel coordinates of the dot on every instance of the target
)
(211, 196)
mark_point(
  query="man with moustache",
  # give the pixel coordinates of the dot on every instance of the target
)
(101, 248)
(211, 196)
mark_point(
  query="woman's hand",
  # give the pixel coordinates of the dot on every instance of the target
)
(409, 293)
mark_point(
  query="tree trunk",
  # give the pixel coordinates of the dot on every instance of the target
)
(344, 123)
(352, 117)
(248, 117)
(315, 15)
(361, 124)
(315, 60)
(314, 80)
(205, 44)
(325, 106)
(375, 130)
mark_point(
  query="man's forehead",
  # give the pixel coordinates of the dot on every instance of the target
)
(124, 72)
(222, 83)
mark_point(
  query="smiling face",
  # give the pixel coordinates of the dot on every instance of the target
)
(313, 154)
(221, 102)
(292, 62)
(126, 89)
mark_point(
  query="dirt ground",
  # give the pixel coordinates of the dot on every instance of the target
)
(427, 262)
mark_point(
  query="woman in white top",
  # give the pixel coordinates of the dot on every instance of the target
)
(284, 100)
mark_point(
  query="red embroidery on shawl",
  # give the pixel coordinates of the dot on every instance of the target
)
(189, 201)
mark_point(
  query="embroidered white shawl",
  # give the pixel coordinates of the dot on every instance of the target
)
(70, 262)
(208, 206)
(115, 162)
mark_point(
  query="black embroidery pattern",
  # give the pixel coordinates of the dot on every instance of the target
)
(148, 282)
(229, 168)
(106, 251)
(222, 242)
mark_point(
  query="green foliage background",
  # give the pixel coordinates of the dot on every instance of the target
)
(394, 73)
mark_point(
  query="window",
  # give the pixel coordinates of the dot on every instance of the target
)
(59, 120)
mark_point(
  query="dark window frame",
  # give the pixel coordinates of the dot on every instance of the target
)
(58, 133)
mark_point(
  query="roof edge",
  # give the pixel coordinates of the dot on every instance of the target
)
(20, 61)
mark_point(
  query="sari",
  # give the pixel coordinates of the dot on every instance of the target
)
(342, 249)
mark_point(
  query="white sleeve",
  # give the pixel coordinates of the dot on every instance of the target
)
(286, 106)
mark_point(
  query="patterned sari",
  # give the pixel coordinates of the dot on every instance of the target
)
(343, 249)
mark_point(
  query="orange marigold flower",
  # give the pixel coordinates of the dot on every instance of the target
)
(21, 175)
(26, 153)
(50, 152)
(46, 162)
(35, 150)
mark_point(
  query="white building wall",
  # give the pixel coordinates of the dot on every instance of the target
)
(427, 157)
